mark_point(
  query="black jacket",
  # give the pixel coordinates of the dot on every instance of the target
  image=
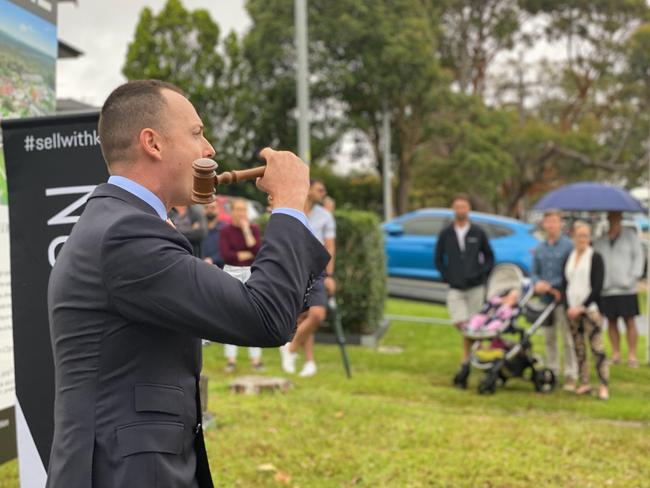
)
(597, 277)
(128, 304)
(464, 269)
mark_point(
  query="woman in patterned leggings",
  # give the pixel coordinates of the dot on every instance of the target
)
(584, 273)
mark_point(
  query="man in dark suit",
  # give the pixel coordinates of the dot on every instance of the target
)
(128, 303)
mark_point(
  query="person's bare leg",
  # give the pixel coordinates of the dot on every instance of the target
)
(301, 318)
(309, 348)
(467, 347)
(632, 336)
(614, 338)
(307, 330)
(307, 327)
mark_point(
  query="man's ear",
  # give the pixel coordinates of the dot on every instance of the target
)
(150, 143)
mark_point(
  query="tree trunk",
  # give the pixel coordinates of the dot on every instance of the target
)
(375, 141)
(403, 185)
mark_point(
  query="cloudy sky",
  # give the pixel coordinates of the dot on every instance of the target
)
(103, 29)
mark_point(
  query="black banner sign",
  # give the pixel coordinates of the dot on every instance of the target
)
(53, 164)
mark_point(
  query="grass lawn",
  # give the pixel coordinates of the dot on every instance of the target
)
(398, 423)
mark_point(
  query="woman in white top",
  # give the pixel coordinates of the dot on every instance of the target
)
(584, 272)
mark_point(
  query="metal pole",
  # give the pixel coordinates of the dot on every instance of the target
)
(647, 291)
(302, 77)
(388, 189)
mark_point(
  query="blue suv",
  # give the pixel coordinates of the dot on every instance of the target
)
(410, 241)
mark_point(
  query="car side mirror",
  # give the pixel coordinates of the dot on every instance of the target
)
(394, 229)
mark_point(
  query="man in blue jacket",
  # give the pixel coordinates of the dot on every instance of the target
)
(548, 274)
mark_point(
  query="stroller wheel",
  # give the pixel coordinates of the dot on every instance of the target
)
(487, 386)
(544, 380)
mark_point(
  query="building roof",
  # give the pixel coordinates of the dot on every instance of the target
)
(65, 49)
(71, 105)
(68, 51)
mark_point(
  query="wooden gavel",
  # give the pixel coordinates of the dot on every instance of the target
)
(206, 179)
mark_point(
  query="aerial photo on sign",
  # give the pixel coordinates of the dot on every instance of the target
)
(28, 48)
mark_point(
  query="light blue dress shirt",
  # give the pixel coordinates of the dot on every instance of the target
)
(141, 192)
(296, 214)
(150, 198)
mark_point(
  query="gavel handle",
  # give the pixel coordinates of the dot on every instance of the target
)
(228, 177)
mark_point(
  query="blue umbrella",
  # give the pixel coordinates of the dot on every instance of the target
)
(590, 197)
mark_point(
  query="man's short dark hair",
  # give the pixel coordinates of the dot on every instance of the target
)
(131, 107)
(553, 212)
(313, 181)
(461, 196)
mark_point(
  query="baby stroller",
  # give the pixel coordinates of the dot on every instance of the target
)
(503, 359)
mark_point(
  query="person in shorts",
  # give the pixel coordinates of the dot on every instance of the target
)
(464, 259)
(623, 255)
(324, 227)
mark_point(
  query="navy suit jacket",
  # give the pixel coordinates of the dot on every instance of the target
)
(128, 305)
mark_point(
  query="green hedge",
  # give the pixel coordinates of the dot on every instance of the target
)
(360, 270)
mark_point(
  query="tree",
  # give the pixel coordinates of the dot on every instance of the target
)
(180, 47)
(582, 123)
(594, 33)
(269, 51)
(385, 58)
(473, 33)
(365, 57)
(465, 153)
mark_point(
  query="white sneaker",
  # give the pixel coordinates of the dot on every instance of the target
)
(288, 359)
(309, 369)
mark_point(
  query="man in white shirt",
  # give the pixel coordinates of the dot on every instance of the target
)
(324, 228)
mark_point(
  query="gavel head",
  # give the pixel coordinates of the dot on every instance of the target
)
(204, 180)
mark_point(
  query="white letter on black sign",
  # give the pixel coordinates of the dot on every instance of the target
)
(64, 217)
(51, 250)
